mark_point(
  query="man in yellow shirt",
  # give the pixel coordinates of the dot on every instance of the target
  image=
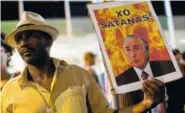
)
(48, 85)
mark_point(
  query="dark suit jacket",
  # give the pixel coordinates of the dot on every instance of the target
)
(158, 68)
(176, 96)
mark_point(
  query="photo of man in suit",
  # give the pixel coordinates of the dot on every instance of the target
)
(137, 51)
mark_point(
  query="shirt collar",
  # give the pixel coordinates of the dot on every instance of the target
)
(147, 70)
(23, 81)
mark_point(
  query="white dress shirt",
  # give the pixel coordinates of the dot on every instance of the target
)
(147, 69)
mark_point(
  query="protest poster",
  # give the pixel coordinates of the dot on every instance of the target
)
(133, 44)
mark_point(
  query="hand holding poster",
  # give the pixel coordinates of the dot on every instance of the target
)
(133, 44)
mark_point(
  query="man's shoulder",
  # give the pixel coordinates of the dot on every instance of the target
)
(166, 64)
(74, 73)
(64, 64)
(14, 80)
(125, 73)
(162, 62)
(162, 67)
(128, 76)
(11, 84)
(71, 67)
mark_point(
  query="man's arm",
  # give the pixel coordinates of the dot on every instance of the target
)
(154, 93)
(153, 90)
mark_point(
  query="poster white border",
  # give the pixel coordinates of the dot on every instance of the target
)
(136, 85)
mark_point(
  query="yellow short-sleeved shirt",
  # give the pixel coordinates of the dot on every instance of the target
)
(20, 95)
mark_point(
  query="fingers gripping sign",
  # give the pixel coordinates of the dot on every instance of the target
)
(154, 91)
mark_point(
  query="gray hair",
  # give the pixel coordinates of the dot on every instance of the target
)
(136, 36)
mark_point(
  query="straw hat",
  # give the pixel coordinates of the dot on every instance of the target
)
(31, 21)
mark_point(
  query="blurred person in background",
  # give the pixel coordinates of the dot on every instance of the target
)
(89, 62)
(6, 53)
(183, 60)
(175, 89)
(183, 65)
(178, 57)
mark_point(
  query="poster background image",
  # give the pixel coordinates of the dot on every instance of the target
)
(113, 37)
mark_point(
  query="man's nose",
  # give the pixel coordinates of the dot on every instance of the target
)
(133, 54)
(24, 42)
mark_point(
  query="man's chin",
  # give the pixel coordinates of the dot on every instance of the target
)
(139, 66)
(136, 65)
(31, 61)
(36, 61)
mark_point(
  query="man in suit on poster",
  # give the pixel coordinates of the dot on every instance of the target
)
(137, 51)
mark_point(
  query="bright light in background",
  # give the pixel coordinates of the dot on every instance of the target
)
(98, 1)
(182, 41)
(72, 49)
(17, 63)
(171, 27)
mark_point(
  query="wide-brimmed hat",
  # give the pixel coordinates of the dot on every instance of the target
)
(31, 21)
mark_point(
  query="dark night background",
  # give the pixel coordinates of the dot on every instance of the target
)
(9, 9)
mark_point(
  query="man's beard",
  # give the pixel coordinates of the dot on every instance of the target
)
(37, 60)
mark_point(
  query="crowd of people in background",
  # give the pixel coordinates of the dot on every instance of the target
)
(6, 53)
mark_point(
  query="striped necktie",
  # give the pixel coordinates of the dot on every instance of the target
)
(144, 75)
